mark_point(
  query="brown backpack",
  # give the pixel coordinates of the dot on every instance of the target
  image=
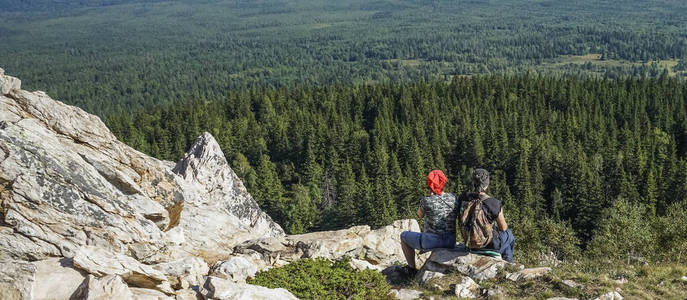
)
(475, 228)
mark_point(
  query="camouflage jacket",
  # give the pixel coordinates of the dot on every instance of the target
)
(440, 213)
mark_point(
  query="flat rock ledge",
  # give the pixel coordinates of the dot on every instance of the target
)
(367, 248)
(477, 267)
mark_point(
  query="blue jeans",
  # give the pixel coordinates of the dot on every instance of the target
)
(504, 242)
(428, 241)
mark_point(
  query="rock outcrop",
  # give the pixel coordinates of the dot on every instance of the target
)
(82, 210)
(67, 182)
(373, 249)
(223, 214)
(84, 216)
(458, 260)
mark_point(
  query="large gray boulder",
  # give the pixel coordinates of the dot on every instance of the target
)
(55, 198)
(66, 182)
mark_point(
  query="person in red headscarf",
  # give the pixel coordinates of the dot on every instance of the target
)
(439, 211)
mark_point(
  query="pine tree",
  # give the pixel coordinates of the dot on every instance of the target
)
(538, 189)
(313, 174)
(524, 193)
(367, 209)
(556, 204)
(403, 190)
(385, 206)
(301, 213)
(346, 197)
(650, 191)
(243, 170)
(269, 190)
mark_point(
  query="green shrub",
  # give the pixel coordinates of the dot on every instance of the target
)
(624, 233)
(560, 238)
(321, 279)
(672, 234)
(528, 243)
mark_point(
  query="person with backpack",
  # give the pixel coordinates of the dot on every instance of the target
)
(478, 213)
(439, 211)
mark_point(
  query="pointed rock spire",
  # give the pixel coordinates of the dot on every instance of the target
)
(205, 164)
(221, 212)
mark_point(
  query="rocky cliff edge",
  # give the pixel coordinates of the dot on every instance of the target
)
(84, 216)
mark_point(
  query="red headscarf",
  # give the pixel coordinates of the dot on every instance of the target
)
(436, 180)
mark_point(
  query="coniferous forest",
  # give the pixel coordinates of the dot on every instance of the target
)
(573, 159)
(333, 112)
(119, 56)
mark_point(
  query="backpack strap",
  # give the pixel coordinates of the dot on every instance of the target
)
(486, 197)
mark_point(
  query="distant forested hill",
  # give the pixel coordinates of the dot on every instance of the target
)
(120, 56)
(60, 5)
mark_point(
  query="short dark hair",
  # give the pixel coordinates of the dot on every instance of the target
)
(480, 180)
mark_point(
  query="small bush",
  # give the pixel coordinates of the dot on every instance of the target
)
(672, 234)
(560, 238)
(624, 233)
(322, 279)
(528, 243)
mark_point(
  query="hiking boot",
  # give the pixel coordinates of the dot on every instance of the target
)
(409, 271)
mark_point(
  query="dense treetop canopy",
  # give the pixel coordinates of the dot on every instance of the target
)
(332, 112)
(559, 149)
(122, 55)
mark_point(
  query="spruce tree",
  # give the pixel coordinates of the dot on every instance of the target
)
(346, 197)
(524, 194)
(269, 193)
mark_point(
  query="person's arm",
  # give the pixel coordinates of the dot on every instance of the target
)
(420, 212)
(501, 221)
